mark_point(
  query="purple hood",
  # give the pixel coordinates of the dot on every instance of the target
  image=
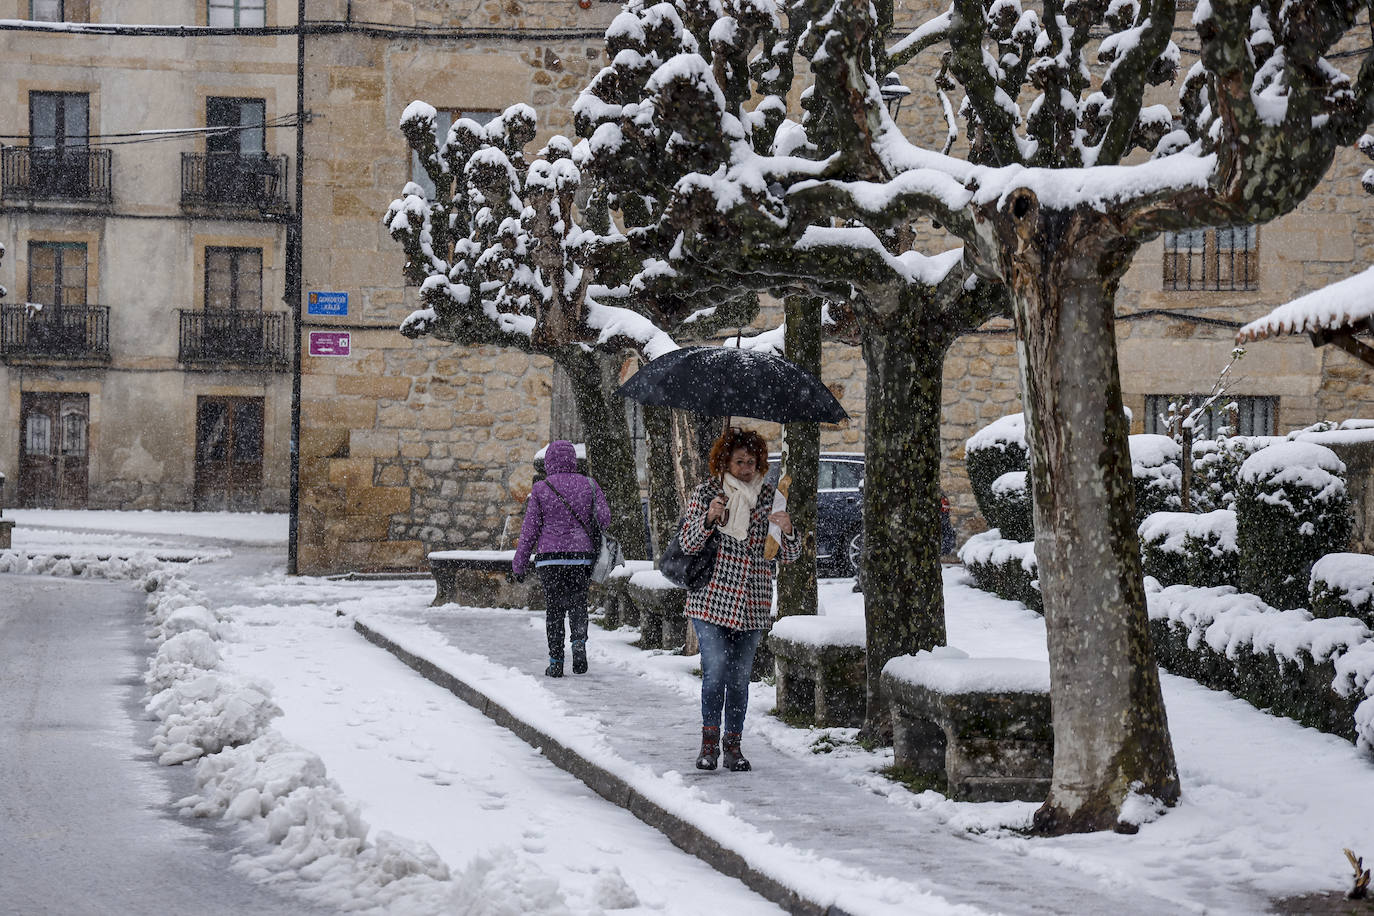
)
(550, 526)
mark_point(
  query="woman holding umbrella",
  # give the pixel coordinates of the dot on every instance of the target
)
(730, 513)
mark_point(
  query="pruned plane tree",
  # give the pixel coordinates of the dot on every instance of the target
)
(1081, 135)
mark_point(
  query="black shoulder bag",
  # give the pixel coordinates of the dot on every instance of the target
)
(691, 571)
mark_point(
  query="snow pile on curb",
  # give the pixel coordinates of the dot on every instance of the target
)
(86, 567)
(251, 774)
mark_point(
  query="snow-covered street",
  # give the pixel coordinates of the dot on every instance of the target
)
(486, 824)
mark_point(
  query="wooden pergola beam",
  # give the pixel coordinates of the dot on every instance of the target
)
(1344, 338)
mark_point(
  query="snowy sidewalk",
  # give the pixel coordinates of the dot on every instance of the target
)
(803, 831)
(1267, 805)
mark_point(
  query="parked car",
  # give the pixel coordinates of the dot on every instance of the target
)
(839, 510)
(839, 513)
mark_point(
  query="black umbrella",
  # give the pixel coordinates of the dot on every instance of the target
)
(730, 382)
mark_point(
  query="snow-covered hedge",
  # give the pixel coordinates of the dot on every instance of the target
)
(996, 450)
(1318, 672)
(1158, 478)
(1216, 463)
(1342, 585)
(1291, 510)
(1006, 568)
(1183, 548)
(1009, 501)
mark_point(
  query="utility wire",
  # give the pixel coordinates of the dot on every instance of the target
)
(159, 135)
(310, 27)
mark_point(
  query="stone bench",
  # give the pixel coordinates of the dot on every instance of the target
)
(479, 578)
(820, 669)
(980, 725)
(659, 604)
(616, 606)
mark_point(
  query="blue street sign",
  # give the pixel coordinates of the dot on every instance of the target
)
(318, 303)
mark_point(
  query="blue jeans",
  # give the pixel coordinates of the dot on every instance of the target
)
(727, 658)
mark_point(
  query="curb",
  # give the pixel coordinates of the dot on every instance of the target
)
(683, 834)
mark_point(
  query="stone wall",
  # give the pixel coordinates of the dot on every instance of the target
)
(408, 446)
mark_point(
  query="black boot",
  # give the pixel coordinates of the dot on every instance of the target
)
(734, 760)
(555, 668)
(710, 747)
(579, 648)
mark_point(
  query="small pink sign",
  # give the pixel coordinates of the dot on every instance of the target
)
(329, 343)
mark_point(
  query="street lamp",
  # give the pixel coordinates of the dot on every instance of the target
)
(893, 93)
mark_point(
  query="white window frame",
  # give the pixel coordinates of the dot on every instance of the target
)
(236, 14)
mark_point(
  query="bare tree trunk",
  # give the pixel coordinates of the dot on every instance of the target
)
(1111, 736)
(903, 587)
(1185, 489)
(797, 580)
(610, 454)
(665, 499)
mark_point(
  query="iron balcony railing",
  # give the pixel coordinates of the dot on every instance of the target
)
(239, 337)
(76, 173)
(232, 181)
(70, 332)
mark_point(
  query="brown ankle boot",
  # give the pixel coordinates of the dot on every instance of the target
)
(710, 747)
(734, 760)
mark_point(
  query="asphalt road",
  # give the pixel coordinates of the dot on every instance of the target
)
(87, 824)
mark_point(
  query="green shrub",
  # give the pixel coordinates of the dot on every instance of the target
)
(1281, 661)
(1216, 462)
(1184, 548)
(1291, 510)
(997, 449)
(1158, 479)
(1342, 585)
(1010, 509)
(1006, 568)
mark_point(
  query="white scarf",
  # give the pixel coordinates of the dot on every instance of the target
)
(740, 499)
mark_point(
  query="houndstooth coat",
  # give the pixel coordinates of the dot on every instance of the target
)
(740, 593)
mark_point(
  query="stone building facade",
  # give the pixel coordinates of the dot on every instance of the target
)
(144, 347)
(407, 446)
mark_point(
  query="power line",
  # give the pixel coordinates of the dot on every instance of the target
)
(310, 27)
(171, 133)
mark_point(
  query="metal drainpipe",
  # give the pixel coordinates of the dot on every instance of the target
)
(294, 260)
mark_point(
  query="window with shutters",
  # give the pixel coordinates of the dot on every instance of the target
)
(1217, 259)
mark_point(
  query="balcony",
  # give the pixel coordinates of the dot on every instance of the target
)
(71, 334)
(229, 338)
(234, 185)
(73, 173)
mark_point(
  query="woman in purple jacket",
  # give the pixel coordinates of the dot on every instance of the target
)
(563, 511)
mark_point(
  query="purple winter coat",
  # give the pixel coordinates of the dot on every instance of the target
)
(549, 527)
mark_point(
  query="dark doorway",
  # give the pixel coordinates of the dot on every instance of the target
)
(57, 281)
(228, 454)
(54, 447)
(59, 137)
(236, 165)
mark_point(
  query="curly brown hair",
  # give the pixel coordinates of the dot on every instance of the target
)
(734, 438)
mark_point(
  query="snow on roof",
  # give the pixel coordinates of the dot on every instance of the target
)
(1343, 303)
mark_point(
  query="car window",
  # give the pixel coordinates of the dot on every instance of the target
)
(847, 475)
(826, 479)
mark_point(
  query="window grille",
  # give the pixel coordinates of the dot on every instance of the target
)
(1254, 415)
(1223, 258)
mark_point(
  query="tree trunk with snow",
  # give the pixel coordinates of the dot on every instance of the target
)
(1111, 736)
(797, 580)
(610, 454)
(904, 598)
(665, 499)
